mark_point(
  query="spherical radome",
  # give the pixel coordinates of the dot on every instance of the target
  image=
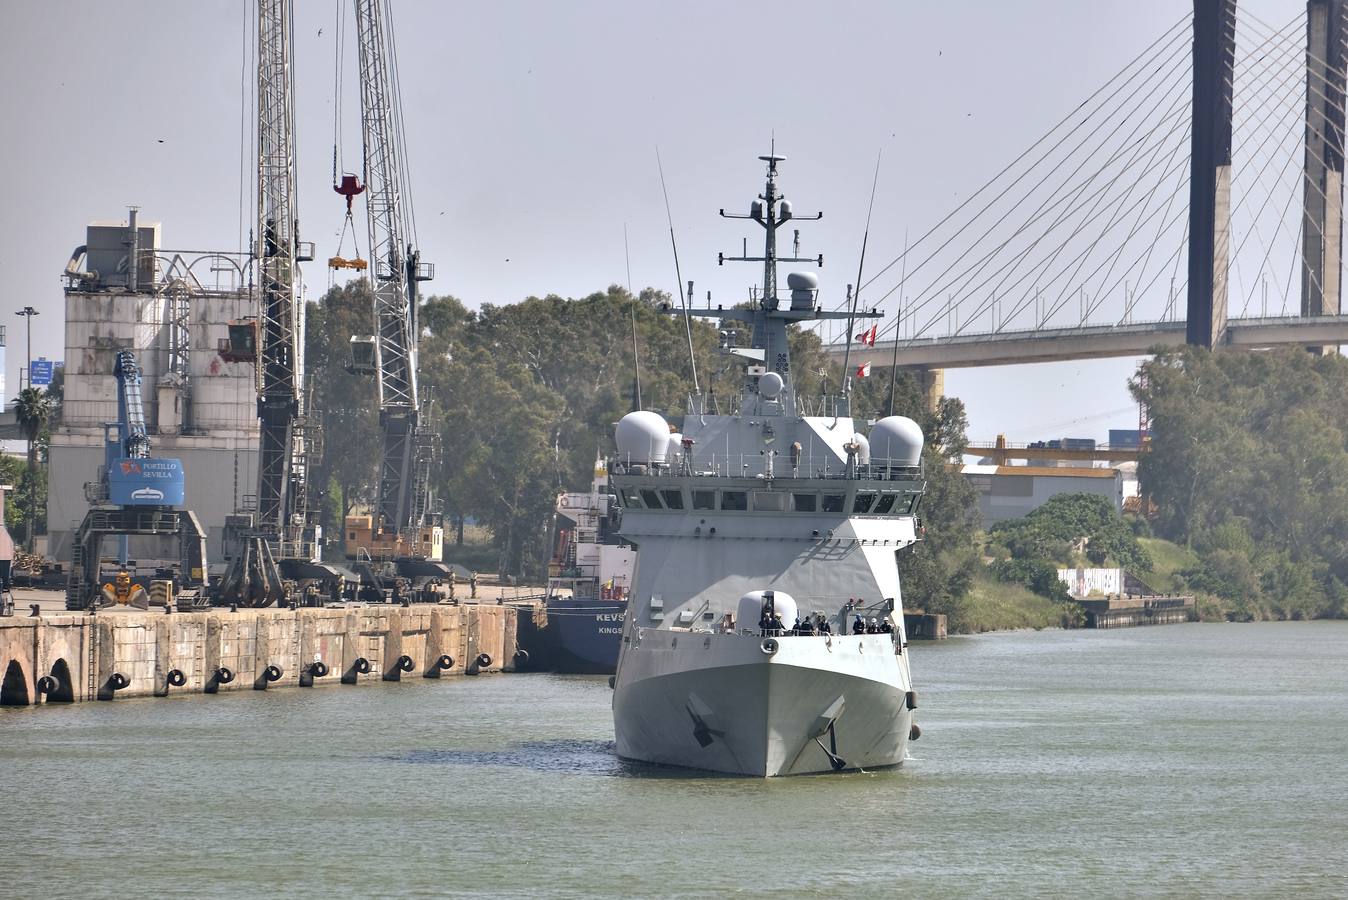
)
(896, 441)
(751, 604)
(770, 385)
(642, 437)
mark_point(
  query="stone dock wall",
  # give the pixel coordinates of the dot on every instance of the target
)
(1127, 611)
(119, 654)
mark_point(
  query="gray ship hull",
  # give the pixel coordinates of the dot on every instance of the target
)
(719, 703)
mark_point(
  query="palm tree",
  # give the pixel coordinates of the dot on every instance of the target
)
(32, 412)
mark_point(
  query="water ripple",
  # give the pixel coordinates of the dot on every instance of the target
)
(572, 757)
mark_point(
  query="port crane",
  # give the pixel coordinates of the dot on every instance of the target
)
(280, 543)
(404, 527)
(136, 494)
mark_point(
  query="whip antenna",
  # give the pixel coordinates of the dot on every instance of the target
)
(636, 364)
(683, 300)
(856, 298)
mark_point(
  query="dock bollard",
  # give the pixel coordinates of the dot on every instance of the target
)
(117, 681)
(405, 663)
(440, 664)
(318, 669)
(359, 666)
(272, 673)
(224, 675)
(176, 677)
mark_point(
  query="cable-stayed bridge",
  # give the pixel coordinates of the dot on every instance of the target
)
(1196, 197)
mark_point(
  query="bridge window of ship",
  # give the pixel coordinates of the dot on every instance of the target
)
(910, 504)
(651, 499)
(861, 503)
(885, 504)
(673, 498)
(834, 502)
(769, 501)
(804, 502)
(704, 499)
(630, 498)
(734, 500)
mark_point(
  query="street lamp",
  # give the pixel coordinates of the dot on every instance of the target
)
(28, 312)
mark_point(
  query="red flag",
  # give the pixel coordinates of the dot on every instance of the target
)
(864, 370)
(867, 336)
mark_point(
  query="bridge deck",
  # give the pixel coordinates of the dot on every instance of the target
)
(1091, 342)
(1000, 453)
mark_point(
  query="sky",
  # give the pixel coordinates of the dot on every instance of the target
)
(532, 131)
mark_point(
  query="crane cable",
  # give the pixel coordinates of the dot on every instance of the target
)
(337, 261)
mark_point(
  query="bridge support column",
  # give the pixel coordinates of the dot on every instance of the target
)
(1210, 174)
(932, 384)
(1322, 227)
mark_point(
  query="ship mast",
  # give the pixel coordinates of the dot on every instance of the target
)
(767, 316)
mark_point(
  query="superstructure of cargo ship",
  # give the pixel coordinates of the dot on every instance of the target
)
(589, 579)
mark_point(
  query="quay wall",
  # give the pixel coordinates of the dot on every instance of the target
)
(1123, 611)
(87, 657)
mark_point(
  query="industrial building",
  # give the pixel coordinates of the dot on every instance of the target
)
(173, 309)
(1010, 492)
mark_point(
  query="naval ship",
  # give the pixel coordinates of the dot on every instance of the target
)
(764, 635)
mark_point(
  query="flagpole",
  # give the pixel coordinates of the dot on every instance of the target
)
(847, 354)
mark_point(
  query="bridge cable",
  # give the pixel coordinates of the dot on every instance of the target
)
(1176, 111)
(1135, 148)
(1083, 125)
(1130, 304)
(935, 289)
(1143, 61)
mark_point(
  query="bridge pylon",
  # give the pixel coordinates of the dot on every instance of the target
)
(1322, 185)
(1214, 55)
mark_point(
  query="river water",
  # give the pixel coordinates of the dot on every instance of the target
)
(1170, 761)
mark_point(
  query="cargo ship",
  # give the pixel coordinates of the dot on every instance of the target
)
(589, 579)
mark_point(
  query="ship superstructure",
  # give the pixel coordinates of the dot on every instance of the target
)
(589, 579)
(764, 634)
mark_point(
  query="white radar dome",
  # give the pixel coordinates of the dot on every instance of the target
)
(802, 281)
(770, 385)
(897, 441)
(863, 448)
(751, 607)
(642, 437)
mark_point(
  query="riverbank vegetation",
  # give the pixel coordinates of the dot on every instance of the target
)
(1248, 471)
(523, 397)
(1248, 466)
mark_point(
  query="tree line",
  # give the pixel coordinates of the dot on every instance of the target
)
(1249, 468)
(525, 395)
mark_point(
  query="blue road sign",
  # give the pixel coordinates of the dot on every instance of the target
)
(39, 371)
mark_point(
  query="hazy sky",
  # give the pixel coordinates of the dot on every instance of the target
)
(532, 130)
